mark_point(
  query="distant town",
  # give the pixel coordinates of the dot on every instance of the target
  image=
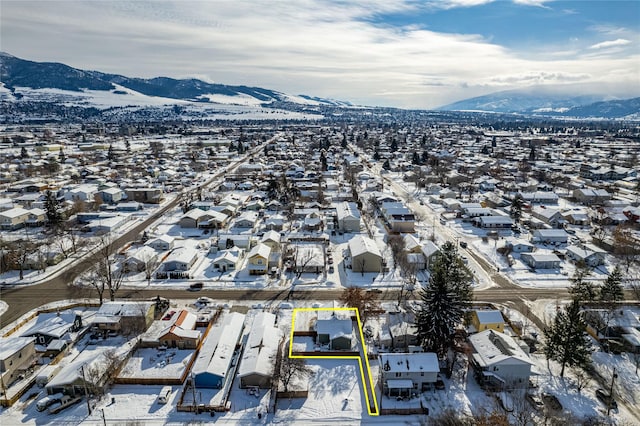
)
(443, 268)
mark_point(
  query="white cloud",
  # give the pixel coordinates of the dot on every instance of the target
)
(611, 43)
(539, 3)
(328, 49)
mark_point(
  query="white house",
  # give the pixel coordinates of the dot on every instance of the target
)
(541, 260)
(162, 243)
(499, 360)
(348, 217)
(365, 254)
(405, 373)
(550, 236)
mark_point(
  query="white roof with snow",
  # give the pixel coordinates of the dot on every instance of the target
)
(360, 245)
(262, 345)
(493, 347)
(410, 363)
(217, 350)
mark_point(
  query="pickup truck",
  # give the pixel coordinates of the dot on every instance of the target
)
(65, 401)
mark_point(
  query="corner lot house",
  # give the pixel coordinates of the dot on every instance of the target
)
(365, 254)
(498, 360)
(541, 260)
(487, 320)
(402, 373)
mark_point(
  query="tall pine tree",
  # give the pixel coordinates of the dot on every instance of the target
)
(444, 301)
(567, 339)
(580, 288)
(52, 209)
(611, 290)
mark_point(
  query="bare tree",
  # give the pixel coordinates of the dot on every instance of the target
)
(303, 259)
(105, 275)
(582, 379)
(366, 302)
(626, 247)
(290, 369)
(396, 243)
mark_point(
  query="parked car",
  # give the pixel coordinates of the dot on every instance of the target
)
(551, 401)
(604, 396)
(535, 401)
(196, 286)
(463, 244)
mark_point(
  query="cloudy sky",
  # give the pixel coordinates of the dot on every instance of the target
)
(412, 54)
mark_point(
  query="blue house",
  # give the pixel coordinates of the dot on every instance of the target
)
(211, 368)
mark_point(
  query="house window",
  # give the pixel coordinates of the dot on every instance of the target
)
(398, 374)
(422, 373)
(259, 262)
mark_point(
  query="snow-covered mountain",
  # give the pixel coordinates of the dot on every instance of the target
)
(546, 102)
(22, 77)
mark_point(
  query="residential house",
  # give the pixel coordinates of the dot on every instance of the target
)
(179, 262)
(162, 243)
(247, 220)
(541, 260)
(145, 195)
(482, 320)
(588, 196)
(37, 217)
(13, 219)
(258, 259)
(124, 316)
(550, 236)
(540, 197)
(402, 374)
(498, 360)
(211, 368)
(228, 260)
(53, 326)
(365, 254)
(139, 259)
(112, 195)
(493, 222)
(272, 239)
(550, 216)
(87, 374)
(348, 217)
(588, 254)
(180, 331)
(259, 356)
(398, 217)
(335, 332)
(430, 251)
(17, 354)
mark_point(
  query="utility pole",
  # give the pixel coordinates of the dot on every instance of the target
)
(104, 421)
(86, 392)
(610, 400)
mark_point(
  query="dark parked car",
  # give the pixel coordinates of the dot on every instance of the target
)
(551, 401)
(196, 286)
(463, 244)
(604, 396)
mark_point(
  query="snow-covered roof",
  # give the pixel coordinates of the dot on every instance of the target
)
(493, 347)
(14, 212)
(182, 255)
(410, 363)
(547, 233)
(360, 245)
(489, 316)
(335, 327)
(346, 210)
(142, 254)
(51, 324)
(11, 345)
(217, 350)
(124, 309)
(261, 250)
(262, 345)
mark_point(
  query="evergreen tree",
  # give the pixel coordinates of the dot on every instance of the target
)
(394, 145)
(485, 150)
(323, 161)
(127, 146)
(416, 158)
(110, 153)
(516, 208)
(52, 209)
(386, 165)
(611, 290)
(443, 301)
(580, 288)
(567, 339)
(532, 154)
(23, 153)
(61, 156)
(344, 140)
(376, 155)
(425, 156)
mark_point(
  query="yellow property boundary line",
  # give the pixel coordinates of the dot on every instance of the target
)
(364, 351)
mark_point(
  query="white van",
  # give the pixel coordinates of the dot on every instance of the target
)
(48, 400)
(163, 396)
